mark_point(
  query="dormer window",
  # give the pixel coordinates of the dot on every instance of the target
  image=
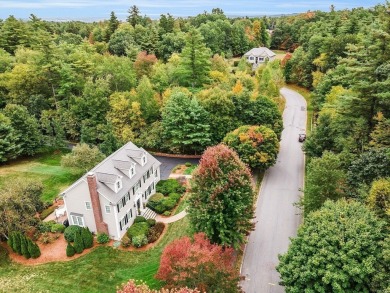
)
(118, 185)
(132, 171)
(143, 160)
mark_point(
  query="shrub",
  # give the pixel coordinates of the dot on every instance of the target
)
(70, 251)
(156, 203)
(139, 241)
(46, 238)
(125, 241)
(78, 242)
(17, 243)
(57, 228)
(33, 249)
(169, 186)
(10, 240)
(45, 226)
(47, 212)
(138, 229)
(24, 247)
(70, 232)
(87, 237)
(188, 164)
(167, 213)
(169, 204)
(102, 238)
(155, 232)
(151, 222)
(175, 196)
(139, 219)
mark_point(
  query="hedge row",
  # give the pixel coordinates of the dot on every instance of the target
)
(23, 245)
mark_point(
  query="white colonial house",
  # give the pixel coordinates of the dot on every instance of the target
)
(260, 55)
(114, 192)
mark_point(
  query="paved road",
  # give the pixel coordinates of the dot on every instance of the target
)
(277, 219)
(167, 164)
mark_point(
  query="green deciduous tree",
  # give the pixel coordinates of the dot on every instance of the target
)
(19, 203)
(337, 249)
(26, 128)
(147, 97)
(82, 157)
(379, 197)
(185, 123)
(195, 61)
(9, 147)
(325, 181)
(257, 146)
(221, 204)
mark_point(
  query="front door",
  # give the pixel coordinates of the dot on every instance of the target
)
(256, 60)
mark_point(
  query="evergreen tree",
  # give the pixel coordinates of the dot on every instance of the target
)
(134, 17)
(33, 249)
(78, 242)
(195, 61)
(185, 124)
(24, 247)
(70, 251)
(10, 240)
(113, 24)
(17, 243)
(87, 237)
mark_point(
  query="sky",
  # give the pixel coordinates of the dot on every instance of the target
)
(93, 10)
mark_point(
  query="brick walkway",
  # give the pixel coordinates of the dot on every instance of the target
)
(172, 219)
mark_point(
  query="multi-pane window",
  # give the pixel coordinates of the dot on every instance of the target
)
(108, 209)
(88, 205)
(123, 201)
(77, 220)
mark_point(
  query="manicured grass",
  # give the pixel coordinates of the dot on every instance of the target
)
(102, 270)
(45, 168)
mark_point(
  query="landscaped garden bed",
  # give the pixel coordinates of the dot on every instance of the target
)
(184, 169)
(169, 193)
(142, 233)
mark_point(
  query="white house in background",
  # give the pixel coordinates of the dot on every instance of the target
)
(114, 192)
(260, 55)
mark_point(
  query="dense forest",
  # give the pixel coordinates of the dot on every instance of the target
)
(110, 82)
(343, 57)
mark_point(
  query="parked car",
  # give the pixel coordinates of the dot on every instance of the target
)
(302, 137)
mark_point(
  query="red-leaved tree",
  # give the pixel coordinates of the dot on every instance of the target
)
(199, 264)
(132, 287)
(221, 203)
(144, 63)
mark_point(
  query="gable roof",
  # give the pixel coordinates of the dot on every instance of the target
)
(114, 167)
(262, 51)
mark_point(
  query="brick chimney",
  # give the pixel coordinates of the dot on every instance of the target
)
(101, 226)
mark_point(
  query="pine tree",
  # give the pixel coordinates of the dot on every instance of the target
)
(70, 251)
(134, 17)
(113, 24)
(24, 247)
(87, 237)
(33, 249)
(78, 243)
(195, 61)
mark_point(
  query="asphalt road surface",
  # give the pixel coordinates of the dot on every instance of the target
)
(167, 164)
(277, 218)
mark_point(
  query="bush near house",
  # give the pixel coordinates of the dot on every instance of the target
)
(102, 238)
(57, 228)
(140, 240)
(70, 232)
(160, 203)
(155, 232)
(87, 237)
(139, 219)
(78, 242)
(169, 186)
(47, 212)
(138, 229)
(70, 251)
(45, 226)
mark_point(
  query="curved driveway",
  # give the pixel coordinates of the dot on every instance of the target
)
(276, 217)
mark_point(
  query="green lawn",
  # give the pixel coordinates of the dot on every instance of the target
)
(102, 270)
(45, 168)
